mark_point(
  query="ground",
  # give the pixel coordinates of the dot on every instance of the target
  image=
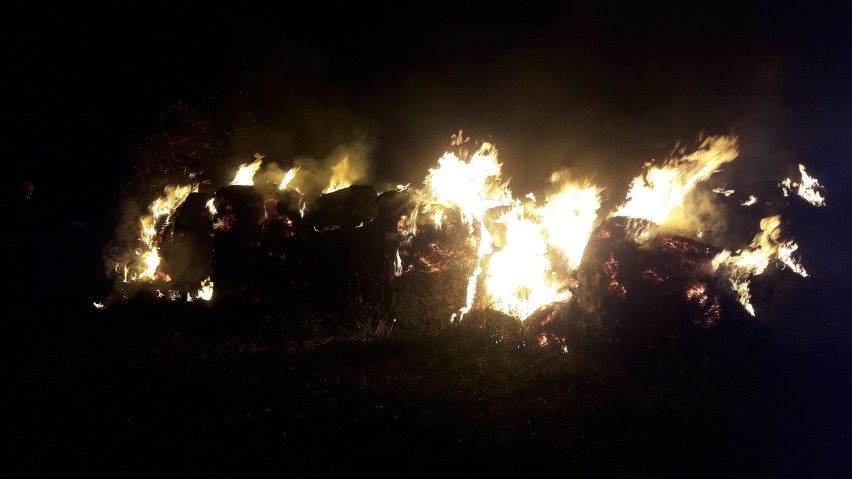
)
(159, 389)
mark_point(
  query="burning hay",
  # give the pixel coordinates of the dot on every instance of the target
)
(522, 256)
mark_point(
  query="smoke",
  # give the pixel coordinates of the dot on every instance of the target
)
(120, 249)
(345, 165)
(268, 178)
(702, 215)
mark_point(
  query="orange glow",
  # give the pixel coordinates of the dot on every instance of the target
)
(245, 174)
(658, 191)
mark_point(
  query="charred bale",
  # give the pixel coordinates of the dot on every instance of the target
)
(439, 248)
(188, 254)
(393, 209)
(654, 303)
(349, 249)
(344, 208)
(237, 231)
(282, 246)
(345, 267)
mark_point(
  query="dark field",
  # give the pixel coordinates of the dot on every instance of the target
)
(151, 388)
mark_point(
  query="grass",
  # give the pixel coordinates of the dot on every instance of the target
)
(154, 388)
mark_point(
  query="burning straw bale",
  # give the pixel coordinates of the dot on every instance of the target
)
(660, 299)
(188, 256)
(343, 251)
(440, 248)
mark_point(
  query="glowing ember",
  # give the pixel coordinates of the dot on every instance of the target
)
(750, 201)
(697, 291)
(610, 267)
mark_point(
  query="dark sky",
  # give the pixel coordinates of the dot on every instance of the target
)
(596, 87)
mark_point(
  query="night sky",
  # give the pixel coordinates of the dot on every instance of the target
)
(595, 87)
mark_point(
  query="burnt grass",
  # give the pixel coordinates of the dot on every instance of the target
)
(154, 388)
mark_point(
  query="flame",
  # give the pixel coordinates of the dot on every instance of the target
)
(205, 292)
(807, 189)
(569, 216)
(520, 278)
(288, 177)
(343, 174)
(697, 291)
(658, 191)
(397, 265)
(471, 187)
(527, 249)
(211, 206)
(146, 266)
(738, 268)
(525, 255)
(245, 175)
(750, 201)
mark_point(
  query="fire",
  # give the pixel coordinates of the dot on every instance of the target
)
(246, 172)
(569, 216)
(527, 251)
(471, 186)
(658, 191)
(807, 189)
(206, 290)
(288, 177)
(520, 278)
(150, 226)
(211, 207)
(739, 267)
(343, 174)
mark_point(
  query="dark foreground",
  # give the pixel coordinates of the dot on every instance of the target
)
(155, 389)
